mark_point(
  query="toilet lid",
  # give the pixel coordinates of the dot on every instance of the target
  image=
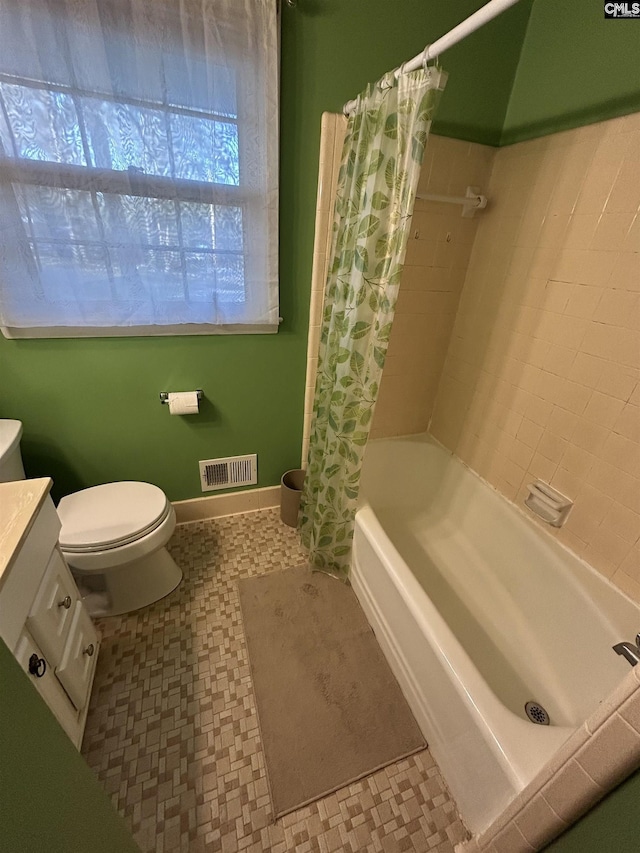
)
(110, 515)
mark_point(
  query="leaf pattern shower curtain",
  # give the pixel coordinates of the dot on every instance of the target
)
(381, 158)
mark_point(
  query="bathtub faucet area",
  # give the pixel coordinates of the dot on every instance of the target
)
(629, 651)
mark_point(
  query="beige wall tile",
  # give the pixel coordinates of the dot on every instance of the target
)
(612, 547)
(612, 343)
(436, 264)
(611, 230)
(618, 308)
(630, 711)
(542, 468)
(587, 370)
(626, 271)
(529, 433)
(589, 435)
(583, 301)
(630, 566)
(623, 522)
(632, 240)
(545, 349)
(571, 792)
(596, 191)
(552, 447)
(618, 381)
(628, 423)
(567, 483)
(577, 461)
(580, 230)
(627, 584)
(625, 689)
(612, 755)
(615, 483)
(538, 822)
(603, 410)
(511, 840)
(623, 453)
(562, 423)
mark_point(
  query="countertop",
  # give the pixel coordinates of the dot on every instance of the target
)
(20, 502)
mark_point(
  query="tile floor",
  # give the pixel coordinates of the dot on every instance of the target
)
(173, 735)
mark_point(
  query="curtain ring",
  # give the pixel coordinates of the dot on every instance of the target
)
(399, 70)
(425, 57)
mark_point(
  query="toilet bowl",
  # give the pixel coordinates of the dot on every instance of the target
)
(113, 537)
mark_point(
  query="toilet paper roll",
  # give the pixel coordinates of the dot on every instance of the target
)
(183, 403)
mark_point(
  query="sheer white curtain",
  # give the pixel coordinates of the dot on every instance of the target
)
(138, 166)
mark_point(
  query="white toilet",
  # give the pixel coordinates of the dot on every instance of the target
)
(113, 537)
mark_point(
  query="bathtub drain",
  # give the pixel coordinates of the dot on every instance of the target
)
(537, 713)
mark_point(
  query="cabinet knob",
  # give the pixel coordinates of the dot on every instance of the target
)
(66, 602)
(37, 665)
(90, 650)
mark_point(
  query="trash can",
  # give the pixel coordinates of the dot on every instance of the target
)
(290, 493)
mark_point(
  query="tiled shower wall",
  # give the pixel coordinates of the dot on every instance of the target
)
(435, 267)
(541, 379)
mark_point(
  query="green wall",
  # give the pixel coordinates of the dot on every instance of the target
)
(90, 407)
(613, 826)
(51, 801)
(576, 68)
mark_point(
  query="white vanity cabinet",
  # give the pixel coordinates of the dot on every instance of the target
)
(42, 618)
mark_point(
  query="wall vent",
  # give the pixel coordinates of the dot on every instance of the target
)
(229, 472)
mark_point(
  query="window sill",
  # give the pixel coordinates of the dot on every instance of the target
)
(14, 333)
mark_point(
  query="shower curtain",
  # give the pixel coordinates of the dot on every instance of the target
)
(381, 158)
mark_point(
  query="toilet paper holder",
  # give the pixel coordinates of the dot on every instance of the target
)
(164, 395)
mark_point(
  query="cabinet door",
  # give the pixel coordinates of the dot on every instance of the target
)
(49, 619)
(43, 677)
(75, 671)
(20, 581)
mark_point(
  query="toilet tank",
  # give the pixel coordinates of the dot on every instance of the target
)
(10, 457)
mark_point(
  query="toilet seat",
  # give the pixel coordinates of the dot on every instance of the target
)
(110, 516)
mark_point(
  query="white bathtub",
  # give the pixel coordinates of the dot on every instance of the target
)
(479, 612)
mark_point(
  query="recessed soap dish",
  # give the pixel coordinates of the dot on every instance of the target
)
(548, 504)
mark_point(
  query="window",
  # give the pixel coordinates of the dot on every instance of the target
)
(138, 167)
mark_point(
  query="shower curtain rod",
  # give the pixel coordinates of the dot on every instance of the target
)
(479, 18)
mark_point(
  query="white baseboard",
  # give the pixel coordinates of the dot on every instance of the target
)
(215, 506)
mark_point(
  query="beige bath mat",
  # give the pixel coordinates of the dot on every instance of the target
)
(329, 707)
